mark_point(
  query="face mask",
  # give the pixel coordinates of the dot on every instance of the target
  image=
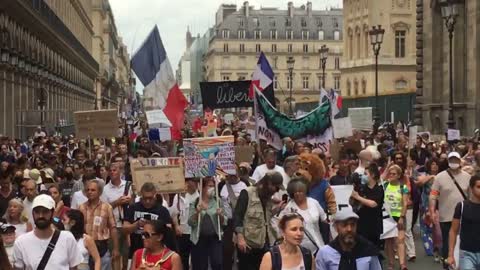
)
(364, 179)
(453, 166)
(211, 192)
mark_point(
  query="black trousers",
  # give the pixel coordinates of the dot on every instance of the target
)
(228, 246)
(250, 260)
(445, 228)
(208, 249)
(185, 247)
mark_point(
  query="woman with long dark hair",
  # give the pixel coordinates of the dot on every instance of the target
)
(75, 223)
(155, 254)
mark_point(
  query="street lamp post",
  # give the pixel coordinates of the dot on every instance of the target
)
(449, 13)
(290, 65)
(376, 39)
(323, 61)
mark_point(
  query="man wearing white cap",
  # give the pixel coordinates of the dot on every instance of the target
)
(348, 250)
(449, 188)
(44, 247)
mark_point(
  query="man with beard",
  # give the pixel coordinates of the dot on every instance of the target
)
(30, 248)
(251, 219)
(348, 251)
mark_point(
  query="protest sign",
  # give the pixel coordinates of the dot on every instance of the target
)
(230, 94)
(342, 196)
(342, 128)
(453, 135)
(209, 156)
(165, 173)
(412, 136)
(243, 154)
(157, 117)
(96, 124)
(361, 118)
(228, 118)
(314, 127)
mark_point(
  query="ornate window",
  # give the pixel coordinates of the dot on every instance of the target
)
(401, 84)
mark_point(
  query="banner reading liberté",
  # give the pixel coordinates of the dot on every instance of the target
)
(209, 156)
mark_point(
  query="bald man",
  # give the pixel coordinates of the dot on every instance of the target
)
(365, 158)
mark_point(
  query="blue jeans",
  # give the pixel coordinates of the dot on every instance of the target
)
(469, 260)
(105, 262)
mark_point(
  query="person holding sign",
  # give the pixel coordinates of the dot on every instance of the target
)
(205, 213)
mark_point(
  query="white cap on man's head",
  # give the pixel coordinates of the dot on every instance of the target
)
(43, 200)
(345, 214)
(454, 154)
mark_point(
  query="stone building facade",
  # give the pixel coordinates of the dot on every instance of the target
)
(46, 67)
(241, 34)
(431, 110)
(111, 53)
(396, 61)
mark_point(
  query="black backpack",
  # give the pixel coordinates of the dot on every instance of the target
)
(277, 258)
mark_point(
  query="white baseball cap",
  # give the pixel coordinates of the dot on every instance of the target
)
(454, 154)
(43, 200)
(345, 214)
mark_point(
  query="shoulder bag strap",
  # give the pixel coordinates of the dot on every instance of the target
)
(307, 258)
(49, 250)
(276, 258)
(457, 185)
(231, 195)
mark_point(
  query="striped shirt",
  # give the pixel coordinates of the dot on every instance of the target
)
(99, 220)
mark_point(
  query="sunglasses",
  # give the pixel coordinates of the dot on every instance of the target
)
(146, 235)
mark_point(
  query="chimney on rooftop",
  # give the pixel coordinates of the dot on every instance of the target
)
(309, 8)
(246, 9)
(290, 9)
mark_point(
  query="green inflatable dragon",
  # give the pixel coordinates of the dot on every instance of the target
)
(314, 123)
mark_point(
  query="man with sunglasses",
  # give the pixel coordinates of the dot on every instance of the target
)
(139, 213)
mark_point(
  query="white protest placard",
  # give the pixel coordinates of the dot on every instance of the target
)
(228, 118)
(342, 196)
(157, 117)
(412, 136)
(453, 135)
(361, 118)
(342, 128)
(96, 124)
(165, 134)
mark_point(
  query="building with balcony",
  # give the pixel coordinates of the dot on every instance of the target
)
(239, 35)
(433, 80)
(114, 78)
(396, 60)
(46, 66)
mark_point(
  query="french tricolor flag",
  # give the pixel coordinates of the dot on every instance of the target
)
(262, 77)
(153, 69)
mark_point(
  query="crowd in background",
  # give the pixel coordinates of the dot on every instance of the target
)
(278, 212)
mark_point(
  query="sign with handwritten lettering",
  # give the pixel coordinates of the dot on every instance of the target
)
(96, 124)
(230, 94)
(209, 156)
(167, 174)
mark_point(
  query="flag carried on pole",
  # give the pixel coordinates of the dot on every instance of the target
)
(262, 78)
(153, 69)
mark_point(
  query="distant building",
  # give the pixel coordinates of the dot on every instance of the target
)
(239, 35)
(433, 85)
(396, 61)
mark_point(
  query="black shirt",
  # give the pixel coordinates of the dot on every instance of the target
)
(66, 189)
(370, 224)
(470, 222)
(138, 211)
(338, 180)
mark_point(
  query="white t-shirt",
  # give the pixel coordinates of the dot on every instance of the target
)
(28, 251)
(261, 170)
(27, 210)
(236, 190)
(312, 216)
(112, 193)
(182, 209)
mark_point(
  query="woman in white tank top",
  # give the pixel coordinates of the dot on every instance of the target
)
(289, 255)
(74, 222)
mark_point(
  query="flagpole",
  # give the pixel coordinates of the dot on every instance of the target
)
(255, 113)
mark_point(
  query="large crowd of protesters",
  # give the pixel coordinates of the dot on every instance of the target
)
(68, 203)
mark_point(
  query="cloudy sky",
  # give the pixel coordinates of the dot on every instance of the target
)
(135, 19)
